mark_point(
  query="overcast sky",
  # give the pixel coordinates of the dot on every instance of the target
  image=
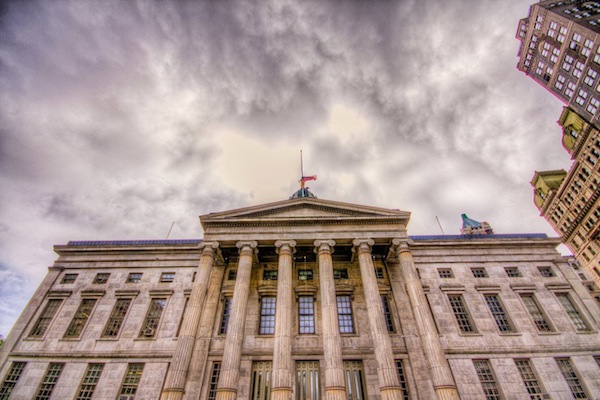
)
(118, 118)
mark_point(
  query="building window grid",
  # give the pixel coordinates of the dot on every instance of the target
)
(117, 316)
(153, 318)
(461, 313)
(131, 380)
(101, 278)
(167, 277)
(497, 310)
(269, 275)
(267, 316)
(225, 315)
(560, 81)
(308, 385)
(572, 312)
(546, 272)
(445, 273)
(564, 364)
(69, 278)
(134, 277)
(306, 314)
(305, 274)
(536, 313)
(11, 379)
(387, 313)
(90, 381)
(261, 380)
(529, 379)
(555, 55)
(354, 380)
(214, 381)
(581, 97)
(486, 377)
(340, 273)
(344, 307)
(44, 320)
(49, 381)
(570, 89)
(479, 272)
(402, 379)
(512, 272)
(80, 318)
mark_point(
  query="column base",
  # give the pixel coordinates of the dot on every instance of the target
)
(446, 393)
(281, 393)
(391, 393)
(171, 394)
(335, 393)
(226, 394)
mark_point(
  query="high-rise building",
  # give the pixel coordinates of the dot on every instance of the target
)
(560, 49)
(308, 299)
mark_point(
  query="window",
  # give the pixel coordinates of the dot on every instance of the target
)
(445, 273)
(117, 316)
(354, 380)
(379, 273)
(232, 274)
(305, 274)
(45, 318)
(81, 316)
(592, 108)
(570, 89)
(131, 380)
(529, 379)
(153, 318)
(560, 81)
(572, 312)
(69, 278)
(587, 47)
(11, 379)
(461, 314)
(562, 34)
(101, 278)
(261, 380)
(306, 314)
(581, 96)
(402, 379)
(270, 275)
(555, 55)
(214, 381)
(552, 29)
(167, 277)
(535, 312)
(545, 50)
(225, 316)
(512, 272)
(546, 272)
(486, 377)
(590, 77)
(564, 364)
(90, 381)
(387, 313)
(344, 307)
(308, 385)
(267, 316)
(134, 277)
(49, 381)
(578, 70)
(568, 63)
(495, 306)
(341, 273)
(479, 272)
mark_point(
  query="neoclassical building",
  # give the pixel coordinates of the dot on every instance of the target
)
(307, 299)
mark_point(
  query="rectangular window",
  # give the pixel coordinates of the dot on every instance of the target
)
(479, 272)
(214, 381)
(45, 318)
(445, 273)
(232, 275)
(267, 316)
(308, 385)
(69, 278)
(344, 307)
(387, 313)
(355, 381)
(486, 377)
(570, 89)
(153, 318)
(80, 318)
(134, 277)
(529, 379)
(167, 277)
(512, 272)
(306, 314)
(592, 108)
(90, 381)
(379, 273)
(131, 380)
(117, 316)
(340, 273)
(49, 381)
(461, 313)
(261, 380)
(11, 379)
(225, 316)
(101, 278)
(270, 275)
(581, 96)
(564, 364)
(560, 82)
(305, 274)
(546, 272)
(536, 312)
(572, 312)
(402, 379)
(495, 306)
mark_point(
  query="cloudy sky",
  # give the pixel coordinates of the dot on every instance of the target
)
(118, 118)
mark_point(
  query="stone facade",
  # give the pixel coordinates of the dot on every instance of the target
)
(307, 299)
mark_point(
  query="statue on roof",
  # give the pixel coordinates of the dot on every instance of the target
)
(472, 227)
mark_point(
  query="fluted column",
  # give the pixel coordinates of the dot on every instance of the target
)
(389, 385)
(176, 376)
(335, 388)
(283, 372)
(441, 376)
(230, 367)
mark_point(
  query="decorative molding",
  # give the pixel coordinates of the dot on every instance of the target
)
(305, 290)
(488, 288)
(452, 287)
(160, 292)
(93, 293)
(60, 293)
(557, 286)
(267, 290)
(126, 293)
(523, 287)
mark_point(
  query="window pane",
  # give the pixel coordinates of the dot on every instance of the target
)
(90, 381)
(307, 380)
(132, 379)
(387, 313)
(572, 378)
(214, 381)
(536, 313)
(488, 383)
(225, 315)
(572, 312)
(495, 306)
(261, 380)
(345, 314)
(460, 313)
(528, 376)
(80, 318)
(306, 314)
(113, 326)
(402, 379)
(49, 381)
(45, 318)
(11, 379)
(267, 316)
(153, 317)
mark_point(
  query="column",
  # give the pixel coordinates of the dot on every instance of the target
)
(230, 367)
(283, 368)
(335, 387)
(441, 376)
(389, 385)
(176, 375)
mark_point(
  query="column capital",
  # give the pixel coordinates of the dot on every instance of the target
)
(281, 245)
(208, 245)
(401, 245)
(324, 245)
(253, 244)
(363, 245)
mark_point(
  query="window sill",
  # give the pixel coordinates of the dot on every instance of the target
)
(77, 339)
(510, 334)
(142, 339)
(107, 339)
(553, 333)
(470, 334)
